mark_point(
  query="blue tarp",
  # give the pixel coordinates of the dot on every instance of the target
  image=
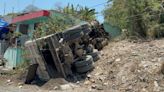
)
(3, 24)
(3, 28)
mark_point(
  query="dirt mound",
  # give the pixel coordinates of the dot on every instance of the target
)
(52, 83)
(132, 67)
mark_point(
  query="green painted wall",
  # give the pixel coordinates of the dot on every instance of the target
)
(31, 24)
(13, 56)
(112, 30)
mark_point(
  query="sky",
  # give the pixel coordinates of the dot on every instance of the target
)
(19, 5)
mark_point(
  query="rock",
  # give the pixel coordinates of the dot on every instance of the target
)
(89, 76)
(87, 82)
(77, 82)
(144, 90)
(134, 54)
(156, 87)
(118, 59)
(93, 86)
(66, 86)
(99, 87)
(105, 84)
(90, 90)
(20, 86)
(101, 78)
(92, 80)
(161, 59)
(110, 61)
(8, 81)
(97, 74)
(56, 88)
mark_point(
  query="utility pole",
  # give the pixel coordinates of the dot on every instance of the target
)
(18, 5)
(33, 2)
(12, 12)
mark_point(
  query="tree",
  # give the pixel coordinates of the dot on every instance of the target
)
(83, 13)
(60, 23)
(30, 8)
(140, 17)
(53, 25)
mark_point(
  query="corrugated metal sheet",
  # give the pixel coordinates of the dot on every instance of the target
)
(3, 46)
(13, 56)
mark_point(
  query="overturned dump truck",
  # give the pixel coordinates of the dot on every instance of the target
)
(63, 54)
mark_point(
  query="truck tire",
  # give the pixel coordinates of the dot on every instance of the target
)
(89, 48)
(85, 69)
(99, 46)
(83, 61)
(95, 56)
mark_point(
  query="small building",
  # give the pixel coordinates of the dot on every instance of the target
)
(26, 24)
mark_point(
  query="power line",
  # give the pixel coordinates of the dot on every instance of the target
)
(142, 18)
(99, 4)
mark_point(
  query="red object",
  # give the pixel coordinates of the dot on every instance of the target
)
(31, 16)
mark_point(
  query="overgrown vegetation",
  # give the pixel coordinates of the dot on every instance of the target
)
(53, 25)
(141, 18)
(71, 15)
(83, 13)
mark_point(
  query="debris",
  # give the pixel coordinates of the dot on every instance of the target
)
(118, 59)
(97, 87)
(89, 76)
(65, 87)
(105, 84)
(56, 88)
(92, 80)
(87, 82)
(77, 82)
(156, 87)
(144, 90)
(93, 86)
(20, 86)
(110, 61)
(68, 86)
(8, 81)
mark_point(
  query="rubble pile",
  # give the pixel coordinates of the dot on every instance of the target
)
(129, 67)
